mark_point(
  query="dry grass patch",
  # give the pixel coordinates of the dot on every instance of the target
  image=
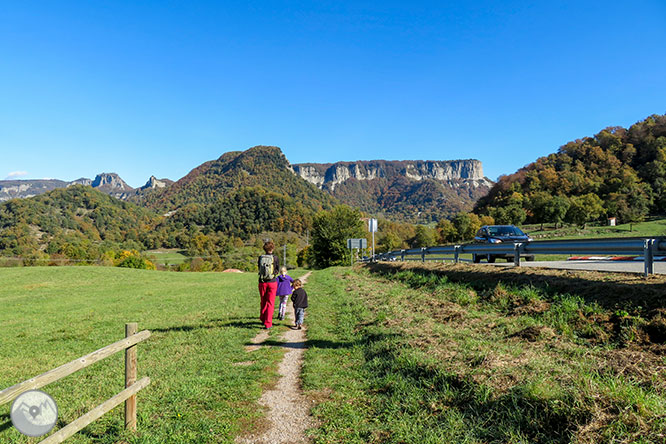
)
(583, 349)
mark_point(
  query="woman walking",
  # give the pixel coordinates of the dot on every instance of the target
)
(268, 265)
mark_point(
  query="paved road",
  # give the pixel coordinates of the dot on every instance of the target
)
(621, 266)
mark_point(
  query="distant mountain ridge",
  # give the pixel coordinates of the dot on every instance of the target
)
(260, 166)
(408, 190)
(413, 190)
(109, 183)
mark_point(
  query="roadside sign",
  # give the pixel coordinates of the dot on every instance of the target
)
(357, 243)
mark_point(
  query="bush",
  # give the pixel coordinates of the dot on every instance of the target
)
(133, 259)
(303, 257)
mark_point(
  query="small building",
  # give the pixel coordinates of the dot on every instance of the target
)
(612, 221)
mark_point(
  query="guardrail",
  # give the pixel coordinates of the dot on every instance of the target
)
(132, 386)
(647, 247)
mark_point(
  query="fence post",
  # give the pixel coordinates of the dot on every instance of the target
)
(516, 254)
(423, 254)
(648, 257)
(402, 255)
(130, 377)
(456, 253)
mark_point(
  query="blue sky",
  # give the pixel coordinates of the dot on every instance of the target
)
(156, 88)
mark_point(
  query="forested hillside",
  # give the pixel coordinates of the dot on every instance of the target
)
(77, 222)
(616, 173)
(220, 206)
(414, 201)
(82, 224)
(245, 212)
(261, 166)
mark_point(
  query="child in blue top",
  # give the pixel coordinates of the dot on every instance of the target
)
(283, 290)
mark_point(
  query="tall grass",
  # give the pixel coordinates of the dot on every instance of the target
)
(402, 361)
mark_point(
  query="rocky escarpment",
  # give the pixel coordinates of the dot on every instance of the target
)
(12, 189)
(109, 183)
(413, 190)
(328, 176)
(154, 182)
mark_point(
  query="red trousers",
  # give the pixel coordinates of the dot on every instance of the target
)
(267, 292)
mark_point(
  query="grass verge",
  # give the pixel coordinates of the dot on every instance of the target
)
(395, 361)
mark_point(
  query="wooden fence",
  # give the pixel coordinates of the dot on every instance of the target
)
(132, 386)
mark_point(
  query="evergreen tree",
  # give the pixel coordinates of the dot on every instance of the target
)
(330, 231)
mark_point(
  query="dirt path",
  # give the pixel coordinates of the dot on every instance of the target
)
(288, 410)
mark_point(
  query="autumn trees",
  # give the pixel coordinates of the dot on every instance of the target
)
(618, 172)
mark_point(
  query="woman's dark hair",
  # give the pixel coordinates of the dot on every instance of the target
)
(269, 246)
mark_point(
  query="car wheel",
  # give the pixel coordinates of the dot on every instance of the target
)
(491, 259)
(476, 258)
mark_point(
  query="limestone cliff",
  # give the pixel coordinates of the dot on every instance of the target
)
(328, 176)
(109, 183)
(414, 190)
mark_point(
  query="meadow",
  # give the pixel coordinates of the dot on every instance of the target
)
(203, 383)
(397, 353)
(654, 226)
(166, 257)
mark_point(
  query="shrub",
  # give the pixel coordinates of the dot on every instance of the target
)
(133, 259)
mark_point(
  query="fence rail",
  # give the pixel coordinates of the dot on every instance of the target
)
(132, 386)
(647, 247)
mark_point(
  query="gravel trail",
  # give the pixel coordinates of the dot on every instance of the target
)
(288, 410)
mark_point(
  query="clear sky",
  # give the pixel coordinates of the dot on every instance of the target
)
(157, 87)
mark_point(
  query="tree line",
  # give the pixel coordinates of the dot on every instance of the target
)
(618, 172)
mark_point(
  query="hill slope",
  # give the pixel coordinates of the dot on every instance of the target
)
(261, 166)
(617, 172)
(69, 220)
(416, 191)
(242, 193)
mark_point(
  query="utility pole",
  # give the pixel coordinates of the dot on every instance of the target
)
(284, 256)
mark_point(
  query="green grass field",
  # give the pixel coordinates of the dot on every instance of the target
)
(167, 256)
(652, 227)
(415, 358)
(200, 323)
(407, 356)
